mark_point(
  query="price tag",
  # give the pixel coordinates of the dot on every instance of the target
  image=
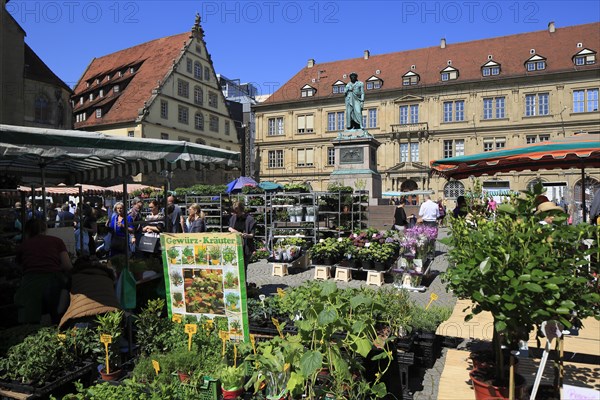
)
(106, 339)
(276, 323)
(190, 329)
(253, 342)
(176, 318)
(224, 335)
(432, 297)
(156, 366)
(280, 292)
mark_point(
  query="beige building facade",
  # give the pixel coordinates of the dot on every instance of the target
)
(439, 102)
(163, 89)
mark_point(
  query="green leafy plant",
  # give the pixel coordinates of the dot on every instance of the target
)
(176, 279)
(109, 324)
(215, 253)
(232, 378)
(228, 254)
(173, 253)
(188, 255)
(521, 271)
(427, 320)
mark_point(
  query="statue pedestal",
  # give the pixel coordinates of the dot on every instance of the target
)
(356, 162)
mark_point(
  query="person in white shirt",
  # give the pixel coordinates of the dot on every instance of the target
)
(429, 212)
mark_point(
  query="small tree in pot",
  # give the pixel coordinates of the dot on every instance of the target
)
(523, 270)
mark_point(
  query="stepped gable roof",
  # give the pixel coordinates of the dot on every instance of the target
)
(152, 60)
(511, 52)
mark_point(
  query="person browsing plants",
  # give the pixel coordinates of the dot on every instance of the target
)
(116, 223)
(195, 222)
(241, 222)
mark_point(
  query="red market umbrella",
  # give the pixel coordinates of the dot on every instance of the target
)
(579, 151)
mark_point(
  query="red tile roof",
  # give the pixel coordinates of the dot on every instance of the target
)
(510, 51)
(154, 58)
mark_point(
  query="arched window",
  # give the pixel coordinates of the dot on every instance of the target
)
(198, 95)
(197, 70)
(42, 109)
(533, 182)
(408, 186)
(453, 189)
(199, 121)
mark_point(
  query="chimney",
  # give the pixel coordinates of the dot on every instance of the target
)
(311, 63)
(443, 43)
(551, 27)
(366, 55)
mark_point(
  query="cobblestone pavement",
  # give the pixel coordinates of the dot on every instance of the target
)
(260, 273)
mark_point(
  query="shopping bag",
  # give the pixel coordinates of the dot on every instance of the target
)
(148, 244)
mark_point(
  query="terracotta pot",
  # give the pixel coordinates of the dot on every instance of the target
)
(113, 376)
(492, 390)
(232, 394)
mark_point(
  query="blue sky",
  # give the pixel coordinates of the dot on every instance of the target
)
(267, 42)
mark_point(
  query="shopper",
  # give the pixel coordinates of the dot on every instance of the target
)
(195, 222)
(242, 222)
(429, 212)
(400, 220)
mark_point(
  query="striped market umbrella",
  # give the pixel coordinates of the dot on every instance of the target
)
(579, 151)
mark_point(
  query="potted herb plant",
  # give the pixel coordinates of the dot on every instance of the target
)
(232, 380)
(214, 253)
(109, 329)
(524, 267)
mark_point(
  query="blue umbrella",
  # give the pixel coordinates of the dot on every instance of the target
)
(239, 183)
(268, 186)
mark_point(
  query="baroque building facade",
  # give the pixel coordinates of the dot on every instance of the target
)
(438, 102)
(163, 89)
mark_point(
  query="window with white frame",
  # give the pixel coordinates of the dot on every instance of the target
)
(490, 71)
(414, 152)
(197, 70)
(307, 91)
(182, 114)
(98, 113)
(198, 95)
(212, 99)
(372, 121)
(494, 107)
(453, 148)
(206, 74)
(338, 87)
(183, 88)
(374, 83)
(454, 111)
(164, 109)
(199, 121)
(404, 156)
(335, 121)
(449, 74)
(530, 139)
(535, 63)
(189, 64)
(409, 114)
(213, 123)
(537, 104)
(306, 123)
(275, 126)
(453, 189)
(275, 159)
(116, 89)
(585, 100)
(410, 78)
(330, 156)
(490, 144)
(305, 157)
(588, 59)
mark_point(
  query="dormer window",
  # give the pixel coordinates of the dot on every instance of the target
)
(87, 84)
(91, 96)
(410, 78)
(490, 68)
(585, 57)
(374, 83)
(131, 70)
(116, 89)
(536, 63)
(448, 74)
(98, 113)
(338, 87)
(120, 74)
(81, 100)
(108, 77)
(97, 81)
(307, 91)
(101, 93)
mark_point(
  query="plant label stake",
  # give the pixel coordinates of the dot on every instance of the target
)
(432, 297)
(190, 329)
(550, 329)
(156, 366)
(280, 292)
(253, 342)
(224, 335)
(234, 355)
(262, 300)
(276, 323)
(106, 339)
(177, 318)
